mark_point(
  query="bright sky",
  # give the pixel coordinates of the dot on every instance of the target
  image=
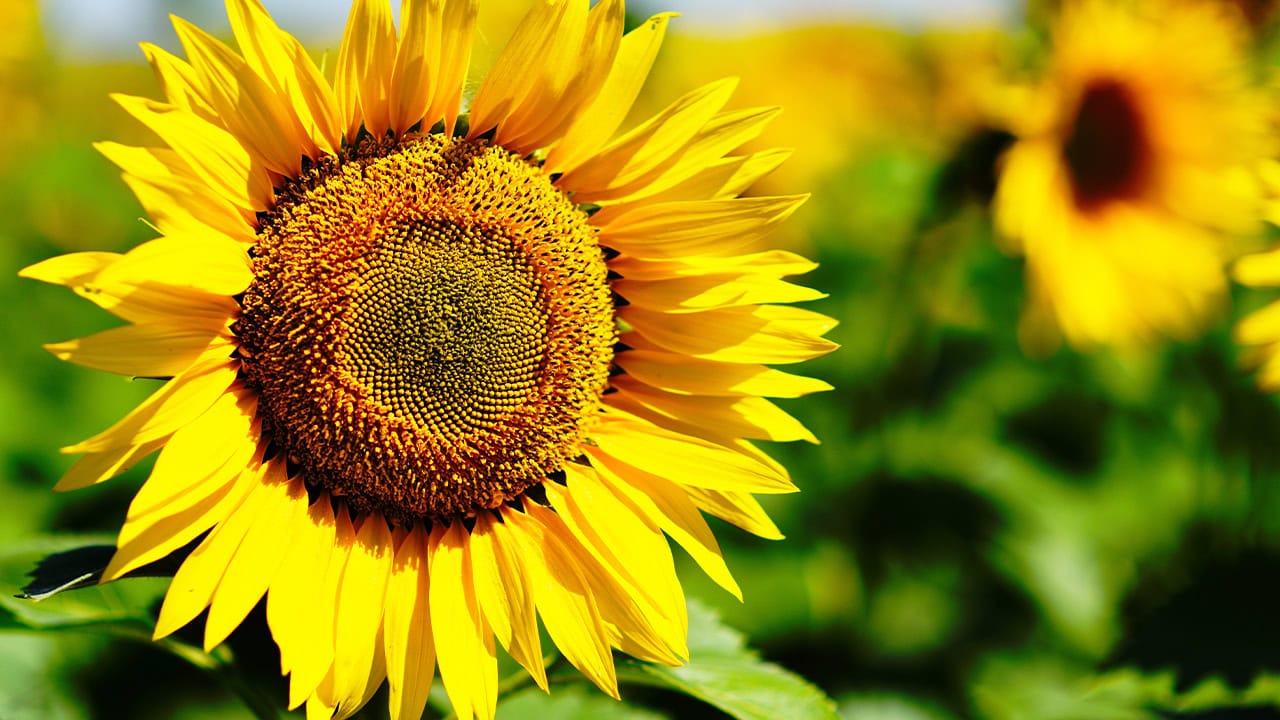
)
(92, 29)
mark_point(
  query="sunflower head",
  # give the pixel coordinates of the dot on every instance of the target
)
(435, 374)
(1119, 190)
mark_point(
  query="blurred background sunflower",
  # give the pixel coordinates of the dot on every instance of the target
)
(1016, 511)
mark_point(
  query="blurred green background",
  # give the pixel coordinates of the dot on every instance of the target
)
(980, 533)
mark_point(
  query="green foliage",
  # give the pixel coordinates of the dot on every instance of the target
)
(722, 671)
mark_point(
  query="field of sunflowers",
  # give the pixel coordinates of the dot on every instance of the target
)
(465, 369)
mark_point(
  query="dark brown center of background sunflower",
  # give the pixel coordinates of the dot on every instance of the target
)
(1107, 151)
(430, 327)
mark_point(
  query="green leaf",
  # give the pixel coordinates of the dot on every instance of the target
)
(569, 703)
(125, 602)
(722, 671)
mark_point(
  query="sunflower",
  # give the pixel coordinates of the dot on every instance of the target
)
(431, 376)
(1129, 184)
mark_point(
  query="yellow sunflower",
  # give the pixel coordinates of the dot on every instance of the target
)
(433, 376)
(1130, 178)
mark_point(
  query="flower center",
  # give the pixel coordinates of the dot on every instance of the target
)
(1107, 151)
(429, 329)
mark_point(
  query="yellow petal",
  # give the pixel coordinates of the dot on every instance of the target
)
(251, 571)
(179, 82)
(697, 228)
(665, 506)
(720, 136)
(246, 106)
(281, 60)
(457, 35)
(210, 263)
(691, 294)
(366, 60)
(632, 552)
(682, 459)
(193, 585)
(140, 350)
(536, 65)
(1259, 270)
(737, 508)
(94, 468)
(409, 646)
(313, 672)
(215, 155)
(556, 96)
(413, 83)
(505, 596)
(173, 196)
(720, 179)
(677, 373)
(361, 598)
(777, 263)
(636, 158)
(71, 269)
(151, 533)
(564, 600)
(177, 403)
(595, 124)
(180, 401)
(300, 600)
(762, 334)
(1261, 326)
(721, 417)
(464, 643)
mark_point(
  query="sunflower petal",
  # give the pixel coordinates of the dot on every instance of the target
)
(723, 417)
(564, 600)
(458, 32)
(690, 294)
(214, 154)
(140, 350)
(737, 508)
(366, 60)
(597, 122)
(361, 599)
(409, 645)
(180, 401)
(413, 81)
(245, 105)
(536, 66)
(209, 263)
(255, 563)
(281, 60)
(464, 643)
(505, 596)
(301, 598)
(179, 82)
(720, 179)
(664, 505)
(682, 374)
(763, 334)
(682, 459)
(550, 107)
(776, 263)
(639, 156)
(175, 199)
(202, 571)
(696, 228)
(98, 467)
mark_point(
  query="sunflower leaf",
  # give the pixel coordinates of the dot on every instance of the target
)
(724, 672)
(59, 563)
(570, 703)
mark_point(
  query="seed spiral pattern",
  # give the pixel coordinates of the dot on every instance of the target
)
(430, 327)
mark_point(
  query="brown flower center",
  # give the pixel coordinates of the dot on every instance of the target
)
(1107, 152)
(429, 329)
